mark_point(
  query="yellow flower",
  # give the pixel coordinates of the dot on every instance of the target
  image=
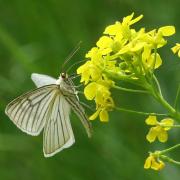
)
(105, 44)
(122, 29)
(149, 60)
(129, 21)
(151, 120)
(167, 30)
(176, 49)
(95, 54)
(113, 29)
(159, 129)
(99, 91)
(89, 71)
(155, 37)
(154, 162)
(127, 54)
(132, 47)
(102, 111)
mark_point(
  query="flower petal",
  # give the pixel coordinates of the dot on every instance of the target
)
(113, 29)
(176, 49)
(95, 73)
(127, 19)
(95, 115)
(167, 30)
(136, 20)
(162, 136)
(90, 90)
(152, 134)
(179, 54)
(167, 122)
(155, 165)
(161, 165)
(93, 51)
(104, 42)
(148, 162)
(150, 61)
(146, 53)
(104, 117)
(151, 120)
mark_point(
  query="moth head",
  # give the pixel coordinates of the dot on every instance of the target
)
(64, 75)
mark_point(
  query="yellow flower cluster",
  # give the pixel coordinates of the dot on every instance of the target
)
(154, 162)
(159, 129)
(124, 51)
(134, 51)
(99, 91)
(176, 49)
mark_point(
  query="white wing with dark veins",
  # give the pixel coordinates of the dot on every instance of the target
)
(42, 80)
(58, 133)
(48, 107)
(29, 112)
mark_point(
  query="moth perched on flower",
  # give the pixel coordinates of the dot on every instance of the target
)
(125, 59)
(48, 107)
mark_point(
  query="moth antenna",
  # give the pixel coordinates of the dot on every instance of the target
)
(75, 64)
(87, 106)
(73, 52)
(77, 86)
(74, 76)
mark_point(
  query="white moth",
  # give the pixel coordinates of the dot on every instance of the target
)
(48, 107)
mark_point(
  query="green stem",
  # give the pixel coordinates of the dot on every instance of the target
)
(170, 149)
(139, 112)
(173, 161)
(166, 158)
(156, 93)
(169, 108)
(176, 126)
(130, 90)
(177, 97)
(173, 126)
(157, 84)
(152, 87)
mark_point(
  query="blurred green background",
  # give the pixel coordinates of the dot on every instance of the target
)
(36, 36)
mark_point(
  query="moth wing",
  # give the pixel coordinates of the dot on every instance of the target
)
(80, 112)
(29, 111)
(42, 80)
(58, 133)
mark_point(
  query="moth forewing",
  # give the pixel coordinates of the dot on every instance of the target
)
(29, 111)
(58, 133)
(71, 96)
(79, 111)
